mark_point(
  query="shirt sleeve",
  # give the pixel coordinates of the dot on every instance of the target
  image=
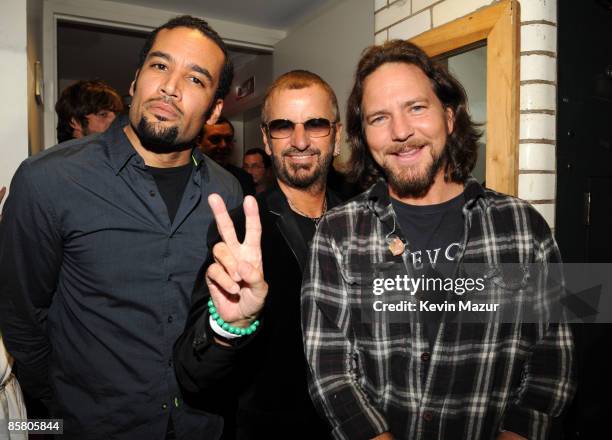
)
(30, 260)
(330, 352)
(548, 382)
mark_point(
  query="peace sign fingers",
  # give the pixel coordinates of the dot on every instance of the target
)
(235, 280)
(224, 222)
(252, 238)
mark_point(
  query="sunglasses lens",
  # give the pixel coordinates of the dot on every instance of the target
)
(283, 128)
(317, 127)
(280, 128)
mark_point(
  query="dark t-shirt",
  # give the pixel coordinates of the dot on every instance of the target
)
(306, 225)
(171, 183)
(433, 234)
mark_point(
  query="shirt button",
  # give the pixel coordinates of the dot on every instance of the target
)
(164, 406)
(152, 193)
(427, 416)
(170, 318)
(169, 362)
(425, 356)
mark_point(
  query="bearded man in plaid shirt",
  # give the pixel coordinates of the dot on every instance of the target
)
(413, 140)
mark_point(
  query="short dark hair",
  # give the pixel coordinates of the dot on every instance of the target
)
(461, 145)
(262, 153)
(81, 99)
(223, 120)
(295, 80)
(190, 22)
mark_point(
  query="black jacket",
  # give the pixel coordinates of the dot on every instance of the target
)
(266, 371)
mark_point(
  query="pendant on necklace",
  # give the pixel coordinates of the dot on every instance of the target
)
(396, 246)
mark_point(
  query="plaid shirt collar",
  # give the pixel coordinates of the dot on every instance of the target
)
(379, 201)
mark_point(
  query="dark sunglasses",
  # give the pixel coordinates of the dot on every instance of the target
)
(283, 128)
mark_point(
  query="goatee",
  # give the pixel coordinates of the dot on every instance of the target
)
(159, 139)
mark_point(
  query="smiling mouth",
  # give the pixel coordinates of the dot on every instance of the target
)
(301, 156)
(407, 155)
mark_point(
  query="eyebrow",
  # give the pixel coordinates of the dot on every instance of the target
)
(192, 66)
(404, 105)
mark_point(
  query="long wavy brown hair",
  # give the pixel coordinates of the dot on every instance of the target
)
(461, 145)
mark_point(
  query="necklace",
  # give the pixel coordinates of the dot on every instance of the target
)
(314, 219)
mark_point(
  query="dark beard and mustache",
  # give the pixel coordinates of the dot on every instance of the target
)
(406, 182)
(159, 139)
(301, 180)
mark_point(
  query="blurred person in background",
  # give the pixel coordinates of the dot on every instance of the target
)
(217, 142)
(257, 163)
(86, 107)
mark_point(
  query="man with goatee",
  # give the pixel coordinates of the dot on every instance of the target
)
(100, 244)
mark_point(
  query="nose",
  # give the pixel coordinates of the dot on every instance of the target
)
(223, 144)
(300, 138)
(170, 85)
(401, 128)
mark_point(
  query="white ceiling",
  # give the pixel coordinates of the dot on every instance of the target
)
(276, 14)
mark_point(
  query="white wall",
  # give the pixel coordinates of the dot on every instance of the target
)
(261, 69)
(252, 129)
(329, 45)
(236, 156)
(14, 77)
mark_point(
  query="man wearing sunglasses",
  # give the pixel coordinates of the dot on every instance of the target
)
(217, 142)
(266, 371)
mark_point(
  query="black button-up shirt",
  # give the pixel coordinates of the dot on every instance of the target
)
(95, 285)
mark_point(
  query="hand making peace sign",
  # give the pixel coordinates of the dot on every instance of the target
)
(235, 280)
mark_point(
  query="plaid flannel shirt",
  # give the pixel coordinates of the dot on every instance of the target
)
(479, 379)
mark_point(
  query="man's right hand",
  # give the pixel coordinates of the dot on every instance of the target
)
(235, 280)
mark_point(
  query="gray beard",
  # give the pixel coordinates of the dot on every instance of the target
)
(318, 177)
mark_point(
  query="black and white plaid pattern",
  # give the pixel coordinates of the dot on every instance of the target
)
(377, 376)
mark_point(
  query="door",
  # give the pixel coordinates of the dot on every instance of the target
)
(584, 187)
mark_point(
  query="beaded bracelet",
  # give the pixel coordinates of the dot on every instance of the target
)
(230, 328)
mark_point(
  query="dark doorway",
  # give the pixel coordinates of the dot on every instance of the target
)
(584, 188)
(86, 51)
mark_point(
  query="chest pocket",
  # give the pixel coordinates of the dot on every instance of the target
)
(515, 288)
